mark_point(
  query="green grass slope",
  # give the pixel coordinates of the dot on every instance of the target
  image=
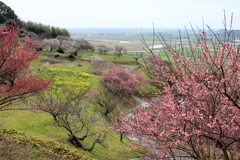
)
(40, 125)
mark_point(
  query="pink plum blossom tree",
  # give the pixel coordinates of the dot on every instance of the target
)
(197, 110)
(120, 80)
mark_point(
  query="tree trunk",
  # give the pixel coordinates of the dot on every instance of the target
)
(121, 137)
(74, 140)
(55, 118)
(107, 112)
(225, 154)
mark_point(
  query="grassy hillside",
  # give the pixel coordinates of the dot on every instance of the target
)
(40, 125)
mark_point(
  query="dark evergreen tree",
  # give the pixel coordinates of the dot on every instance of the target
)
(6, 13)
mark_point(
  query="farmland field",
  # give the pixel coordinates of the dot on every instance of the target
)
(129, 38)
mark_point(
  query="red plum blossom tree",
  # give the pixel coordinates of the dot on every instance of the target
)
(16, 81)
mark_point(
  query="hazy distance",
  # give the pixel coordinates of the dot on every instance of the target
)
(127, 14)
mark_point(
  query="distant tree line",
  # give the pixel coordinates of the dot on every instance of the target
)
(45, 31)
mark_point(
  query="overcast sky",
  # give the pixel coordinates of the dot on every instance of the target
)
(127, 13)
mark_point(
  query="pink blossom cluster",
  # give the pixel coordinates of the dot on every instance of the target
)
(120, 80)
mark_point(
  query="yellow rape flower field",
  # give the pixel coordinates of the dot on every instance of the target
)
(64, 77)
